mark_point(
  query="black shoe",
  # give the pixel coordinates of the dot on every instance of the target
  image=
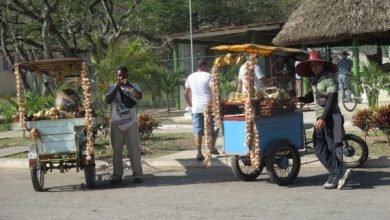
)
(115, 181)
(215, 152)
(137, 180)
(200, 157)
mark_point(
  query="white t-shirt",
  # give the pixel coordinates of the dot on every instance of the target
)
(199, 83)
(296, 74)
(256, 81)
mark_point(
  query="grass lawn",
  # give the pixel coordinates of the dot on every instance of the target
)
(15, 141)
(5, 127)
(159, 144)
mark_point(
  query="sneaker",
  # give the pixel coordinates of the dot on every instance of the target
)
(330, 185)
(344, 179)
(137, 180)
(115, 181)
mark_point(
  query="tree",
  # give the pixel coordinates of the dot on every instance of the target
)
(170, 81)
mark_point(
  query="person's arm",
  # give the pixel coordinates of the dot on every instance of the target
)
(187, 96)
(330, 103)
(135, 91)
(239, 86)
(307, 98)
(110, 96)
(332, 98)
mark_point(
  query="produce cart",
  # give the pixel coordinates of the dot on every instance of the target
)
(62, 133)
(261, 128)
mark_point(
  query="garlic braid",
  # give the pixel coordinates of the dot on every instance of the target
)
(250, 117)
(208, 135)
(20, 95)
(88, 111)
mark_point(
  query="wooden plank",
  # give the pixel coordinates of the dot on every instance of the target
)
(61, 146)
(58, 137)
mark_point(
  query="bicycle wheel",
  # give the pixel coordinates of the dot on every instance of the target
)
(350, 100)
(355, 151)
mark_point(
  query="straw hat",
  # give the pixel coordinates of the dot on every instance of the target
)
(304, 69)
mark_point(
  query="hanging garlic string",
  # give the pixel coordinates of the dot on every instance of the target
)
(250, 117)
(208, 135)
(215, 82)
(88, 111)
(20, 96)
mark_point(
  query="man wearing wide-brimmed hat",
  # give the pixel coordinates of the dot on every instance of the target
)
(328, 144)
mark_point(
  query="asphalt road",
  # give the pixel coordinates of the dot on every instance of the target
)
(195, 194)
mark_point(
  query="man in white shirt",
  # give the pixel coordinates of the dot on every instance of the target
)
(259, 78)
(198, 95)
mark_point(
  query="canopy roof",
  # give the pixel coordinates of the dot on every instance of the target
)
(66, 66)
(327, 21)
(254, 48)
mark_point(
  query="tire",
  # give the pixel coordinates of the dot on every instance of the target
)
(351, 103)
(37, 177)
(243, 170)
(90, 173)
(355, 151)
(283, 163)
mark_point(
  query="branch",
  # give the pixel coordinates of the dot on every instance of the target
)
(32, 14)
(108, 11)
(127, 13)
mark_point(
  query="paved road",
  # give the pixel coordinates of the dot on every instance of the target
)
(195, 194)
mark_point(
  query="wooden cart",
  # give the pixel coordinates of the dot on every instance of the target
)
(62, 142)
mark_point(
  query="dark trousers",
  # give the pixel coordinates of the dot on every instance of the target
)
(328, 147)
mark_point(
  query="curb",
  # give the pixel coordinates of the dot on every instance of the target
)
(222, 161)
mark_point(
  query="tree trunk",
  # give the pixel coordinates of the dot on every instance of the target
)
(168, 109)
(45, 33)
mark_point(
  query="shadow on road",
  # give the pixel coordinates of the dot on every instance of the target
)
(190, 175)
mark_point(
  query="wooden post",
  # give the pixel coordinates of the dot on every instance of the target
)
(306, 80)
(175, 47)
(355, 64)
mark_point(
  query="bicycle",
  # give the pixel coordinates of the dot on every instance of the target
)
(349, 97)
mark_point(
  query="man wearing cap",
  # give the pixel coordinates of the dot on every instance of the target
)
(344, 66)
(328, 145)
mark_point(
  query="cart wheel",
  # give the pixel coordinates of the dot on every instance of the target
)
(90, 173)
(37, 177)
(241, 166)
(283, 163)
(355, 151)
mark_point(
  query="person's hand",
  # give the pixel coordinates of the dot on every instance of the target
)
(320, 124)
(294, 100)
(118, 83)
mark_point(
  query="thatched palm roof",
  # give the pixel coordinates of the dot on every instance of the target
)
(321, 21)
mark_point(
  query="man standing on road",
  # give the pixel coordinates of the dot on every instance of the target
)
(197, 94)
(124, 128)
(328, 144)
